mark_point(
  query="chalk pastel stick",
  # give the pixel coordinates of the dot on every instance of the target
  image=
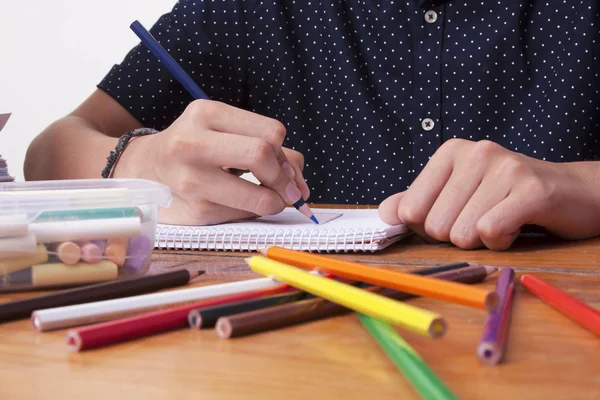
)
(17, 246)
(91, 253)
(93, 229)
(138, 254)
(12, 264)
(94, 213)
(68, 252)
(14, 225)
(61, 274)
(116, 251)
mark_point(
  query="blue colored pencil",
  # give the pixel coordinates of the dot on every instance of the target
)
(170, 64)
(192, 87)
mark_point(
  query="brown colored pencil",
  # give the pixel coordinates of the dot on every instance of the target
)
(102, 291)
(314, 309)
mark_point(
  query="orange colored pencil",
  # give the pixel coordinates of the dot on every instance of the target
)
(415, 284)
(578, 311)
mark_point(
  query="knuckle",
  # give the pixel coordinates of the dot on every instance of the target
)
(275, 131)
(411, 215)
(513, 166)
(451, 144)
(260, 151)
(466, 241)
(486, 148)
(540, 191)
(203, 110)
(487, 231)
(268, 203)
(436, 231)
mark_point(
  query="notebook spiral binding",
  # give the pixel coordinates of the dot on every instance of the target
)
(338, 240)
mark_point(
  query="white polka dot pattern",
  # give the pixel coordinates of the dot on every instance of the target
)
(369, 90)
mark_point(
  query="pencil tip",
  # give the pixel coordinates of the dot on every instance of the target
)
(314, 219)
(490, 270)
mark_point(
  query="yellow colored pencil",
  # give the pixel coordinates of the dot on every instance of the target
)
(394, 312)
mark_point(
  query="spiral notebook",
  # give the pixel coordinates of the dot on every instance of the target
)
(338, 230)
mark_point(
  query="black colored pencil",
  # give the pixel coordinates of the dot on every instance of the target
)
(102, 291)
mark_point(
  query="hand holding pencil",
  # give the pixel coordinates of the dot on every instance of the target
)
(202, 153)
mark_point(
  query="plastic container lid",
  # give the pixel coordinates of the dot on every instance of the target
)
(35, 196)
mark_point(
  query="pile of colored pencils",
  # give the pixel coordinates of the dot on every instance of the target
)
(298, 287)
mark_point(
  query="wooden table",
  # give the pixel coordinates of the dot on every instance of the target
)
(548, 357)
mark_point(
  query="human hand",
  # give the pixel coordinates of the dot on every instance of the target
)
(200, 157)
(476, 194)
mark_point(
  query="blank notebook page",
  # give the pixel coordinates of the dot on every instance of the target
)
(338, 230)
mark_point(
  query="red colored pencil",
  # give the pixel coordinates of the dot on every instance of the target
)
(578, 311)
(120, 330)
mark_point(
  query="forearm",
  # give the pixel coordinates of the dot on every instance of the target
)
(70, 148)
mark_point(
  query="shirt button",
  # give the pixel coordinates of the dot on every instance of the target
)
(430, 16)
(427, 124)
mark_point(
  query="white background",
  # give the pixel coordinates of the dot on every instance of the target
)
(52, 55)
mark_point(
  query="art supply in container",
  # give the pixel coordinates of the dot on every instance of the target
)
(141, 212)
(13, 225)
(586, 316)
(400, 314)
(61, 274)
(137, 326)
(121, 288)
(495, 331)
(17, 246)
(68, 252)
(74, 220)
(138, 249)
(12, 264)
(416, 284)
(91, 253)
(409, 363)
(314, 309)
(100, 311)
(116, 250)
(92, 229)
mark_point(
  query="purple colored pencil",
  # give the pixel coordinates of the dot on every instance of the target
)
(491, 347)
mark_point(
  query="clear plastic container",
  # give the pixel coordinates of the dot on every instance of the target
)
(73, 232)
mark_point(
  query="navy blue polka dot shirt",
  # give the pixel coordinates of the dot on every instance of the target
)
(369, 90)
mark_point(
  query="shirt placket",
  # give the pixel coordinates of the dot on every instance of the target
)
(427, 128)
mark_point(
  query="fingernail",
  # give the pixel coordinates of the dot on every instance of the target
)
(292, 193)
(289, 170)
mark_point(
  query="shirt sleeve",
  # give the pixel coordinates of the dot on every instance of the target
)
(207, 40)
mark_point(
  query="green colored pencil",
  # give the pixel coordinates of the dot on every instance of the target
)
(410, 364)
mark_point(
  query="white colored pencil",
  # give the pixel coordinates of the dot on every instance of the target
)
(99, 311)
(90, 229)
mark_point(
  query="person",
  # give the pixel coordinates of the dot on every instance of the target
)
(465, 120)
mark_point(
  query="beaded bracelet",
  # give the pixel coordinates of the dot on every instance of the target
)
(124, 140)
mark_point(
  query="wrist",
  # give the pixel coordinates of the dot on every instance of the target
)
(128, 159)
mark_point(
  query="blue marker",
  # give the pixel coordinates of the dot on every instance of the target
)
(192, 87)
